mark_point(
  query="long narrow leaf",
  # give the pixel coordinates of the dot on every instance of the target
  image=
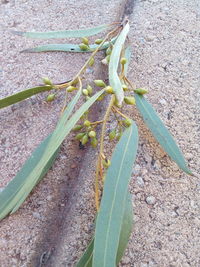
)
(7, 101)
(67, 48)
(17, 183)
(126, 229)
(31, 178)
(64, 34)
(113, 64)
(110, 217)
(160, 132)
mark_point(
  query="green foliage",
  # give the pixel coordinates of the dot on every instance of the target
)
(64, 34)
(114, 217)
(110, 217)
(160, 132)
(126, 229)
(113, 64)
(10, 100)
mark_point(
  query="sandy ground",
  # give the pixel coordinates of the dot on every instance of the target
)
(55, 222)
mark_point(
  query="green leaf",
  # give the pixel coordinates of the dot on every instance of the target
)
(7, 195)
(160, 132)
(7, 101)
(110, 217)
(64, 34)
(35, 172)
(126, 229)
(67, 48)
(86, 259)
(114, 79)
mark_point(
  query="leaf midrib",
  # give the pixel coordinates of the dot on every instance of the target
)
(115, 194)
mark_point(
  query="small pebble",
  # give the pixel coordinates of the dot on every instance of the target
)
(140, 181)
(73, 166)
(163, 101)
(37, 215)
(136, 169)
(151, 200)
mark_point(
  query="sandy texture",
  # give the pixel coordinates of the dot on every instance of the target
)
(23, 126)
(56, 220)
(165, 45)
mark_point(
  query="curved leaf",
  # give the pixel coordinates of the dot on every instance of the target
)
(126, 229)
(35, 173)
(114, 62)
(86, 259)
(110, 217)
(66, 48)
(7, 101)
(64, 34)
(160, 132)
(7, 195)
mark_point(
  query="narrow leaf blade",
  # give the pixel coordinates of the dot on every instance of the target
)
(35, 173)
(66, 48)
(160, 132)
(110, 217)
(64, 34)
(7, 195)
(7, 101)
(114, 62)
(126, 229)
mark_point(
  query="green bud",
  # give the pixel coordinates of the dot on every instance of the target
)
(85, 92)
(94, 142)
(84, 114)
(108, 51)
(123, 60)
(124, 87)
(77, 128)
(100, 83)
(75, 81)
(141, 91)
(130, 100)
(109, 90)
(91, 62)
(106, 163)
(118, 136)
(50, 97)
(86, 123)
(47, 81)
(87, 98)
(71, 88)
(92, 134)
(84, 140)
(90, 89)
(85, 40)
(127, 122)
(98, 41)
(116, 103)
(112, 134)
(100, 98)
(84, 47)
(106, 60)
(79, 136)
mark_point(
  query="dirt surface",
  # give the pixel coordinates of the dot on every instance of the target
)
(55, 223)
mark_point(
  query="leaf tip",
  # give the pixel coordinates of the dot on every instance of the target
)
(17, 33)
(28, 50)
